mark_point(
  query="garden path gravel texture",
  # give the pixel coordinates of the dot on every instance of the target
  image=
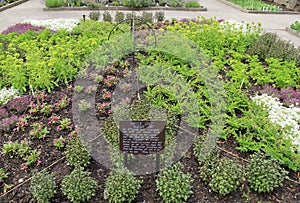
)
(33, 9)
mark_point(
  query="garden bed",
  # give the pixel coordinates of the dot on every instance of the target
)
(251, 67)
(284, 11)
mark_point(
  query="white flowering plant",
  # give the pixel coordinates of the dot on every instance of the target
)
(6, 94)
(55, 24)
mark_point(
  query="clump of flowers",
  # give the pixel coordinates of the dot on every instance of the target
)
(7, 94)
(56, 24)
(20, 104)
(21, 28)
(39, 131)
(110, 81)
(59, 142)
(106, 95)
(3, 113)
(104, 108)
(21, 124)
(289, 96)
(64, 101)
(8, 123)
(287, 118)
(54, 119)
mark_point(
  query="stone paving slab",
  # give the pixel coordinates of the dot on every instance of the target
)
(33, 9)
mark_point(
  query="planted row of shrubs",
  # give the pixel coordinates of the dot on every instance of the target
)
(127, 3)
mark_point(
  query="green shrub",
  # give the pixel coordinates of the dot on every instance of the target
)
(76, 154)
(121, 186)
(147, 17)
(192, 4)
(173, 185)
(159, 16)
(42, 186)
(296, 26)
(120, 16)
(264, 174)
(79, 186)
(94, 15)
(270, 45)
(226, 176)
(54, 3)
(172, 3)
(137, 3)
(107, 17)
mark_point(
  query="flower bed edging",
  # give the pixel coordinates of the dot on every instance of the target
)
(292, 31)
(15, 3)
(124, 8)
(256, 12)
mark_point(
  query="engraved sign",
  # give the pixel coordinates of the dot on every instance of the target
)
(142, 137)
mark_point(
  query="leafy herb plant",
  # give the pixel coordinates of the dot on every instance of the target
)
(121, 186)
(173, 185)
(264, 174)
(78, 186)
(42, 186)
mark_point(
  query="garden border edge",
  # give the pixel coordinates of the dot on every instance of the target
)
(256, 12)
(15, 3)
(292, 31)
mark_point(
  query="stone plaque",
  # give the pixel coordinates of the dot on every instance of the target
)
(142, 137)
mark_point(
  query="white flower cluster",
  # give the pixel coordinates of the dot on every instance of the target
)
(232, 25)
(7, 94)
(287, 118)
(55, 24)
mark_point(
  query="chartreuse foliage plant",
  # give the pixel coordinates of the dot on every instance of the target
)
(121, 186)
(264, 174)
(173, 185)
(296, 26)
(42, 186)
(78, 186)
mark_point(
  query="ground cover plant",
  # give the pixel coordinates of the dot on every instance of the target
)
(37, 128)
(295, 26)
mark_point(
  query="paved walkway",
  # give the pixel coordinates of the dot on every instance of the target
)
(33, 9)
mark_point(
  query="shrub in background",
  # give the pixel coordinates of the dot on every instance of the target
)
(107, 17)
(120, 16)
(270, 45)
(264, 174)
(138, 3)
(94, 15)
(192, 4)
(296, 26)
(76, 154)
(173, 185)
(54, 3)
(159, 16)
(121, 186)
(79, 186)
(42, 186)
(147, 17)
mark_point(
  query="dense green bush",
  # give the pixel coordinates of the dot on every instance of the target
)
(54, 3)
(296, 26)
(94, 15)
(42, 186)
(264, 174)
(192, 4)
(121, 186)
(76, 154)
(173, 185)
(78, 186)
(137, 3)
(270, 45)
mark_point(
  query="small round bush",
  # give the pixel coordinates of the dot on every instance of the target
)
(121, 186)
(76, 154)
(79, 186)
(173, 185)
(42, 186)
(264, 174)
(226, 176)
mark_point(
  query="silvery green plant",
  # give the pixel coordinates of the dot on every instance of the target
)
(42, 186)
(78, 186)
(264, 174)
(173, 185)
